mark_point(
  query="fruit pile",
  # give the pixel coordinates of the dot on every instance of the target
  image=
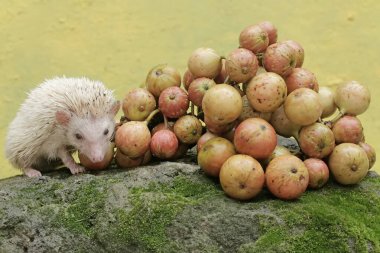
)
(233, 108)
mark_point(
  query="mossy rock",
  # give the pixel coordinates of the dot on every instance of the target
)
(174, 207)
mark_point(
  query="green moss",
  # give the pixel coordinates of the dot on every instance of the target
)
(154, 208)
(41, 192)
(80, 216)
(266, 223)
(334, 219)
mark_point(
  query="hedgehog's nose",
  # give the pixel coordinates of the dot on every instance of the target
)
(97, 157)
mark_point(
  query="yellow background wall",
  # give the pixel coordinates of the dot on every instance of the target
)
(118, 41)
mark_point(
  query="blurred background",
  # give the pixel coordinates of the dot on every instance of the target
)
(119, 41)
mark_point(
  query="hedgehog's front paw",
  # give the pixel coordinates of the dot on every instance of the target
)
(77, 169)
(30, 172)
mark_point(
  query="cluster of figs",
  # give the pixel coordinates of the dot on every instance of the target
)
(234, 108)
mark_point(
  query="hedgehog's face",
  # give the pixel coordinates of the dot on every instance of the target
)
(91, 136)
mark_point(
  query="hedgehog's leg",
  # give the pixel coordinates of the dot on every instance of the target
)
(69, 162)
(30, 172)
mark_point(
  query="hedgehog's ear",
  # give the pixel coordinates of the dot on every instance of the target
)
(63, 117)
(114, 108)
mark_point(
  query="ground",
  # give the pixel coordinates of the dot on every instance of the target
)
(174, 207)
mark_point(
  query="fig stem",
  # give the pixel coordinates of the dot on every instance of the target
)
(337, 117)
(227, 79)
(151, 115)
(166, 122)
(192, 109)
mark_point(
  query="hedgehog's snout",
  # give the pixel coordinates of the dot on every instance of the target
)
(96, 156)
(96, 159)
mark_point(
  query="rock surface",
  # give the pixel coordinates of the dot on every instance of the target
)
(174, 207)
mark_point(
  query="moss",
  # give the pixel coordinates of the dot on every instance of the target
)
(41, 192)
(334, 219)
(80, 216)
(154, 208)
(266, 223)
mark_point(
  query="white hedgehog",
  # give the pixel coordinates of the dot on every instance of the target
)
(60, 116)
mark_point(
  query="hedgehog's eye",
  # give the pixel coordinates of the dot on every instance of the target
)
(78, 136)
(105, 132)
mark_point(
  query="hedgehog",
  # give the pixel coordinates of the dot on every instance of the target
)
(60, 116)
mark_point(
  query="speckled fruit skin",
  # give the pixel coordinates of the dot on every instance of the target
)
(280, 58)
(204, 138)
(219, 129)
(204, 62)
(316, 140)
(161, 77)
(318, 172)
(254, 38)
(188, 129)
(266, 92)
(198, 88)
(348, 129)
(133, 138)
(302, 106)
(138, 104)
(271, 30)
(282, 124)
(241, 65)
(161, 126)
(301, 78)
(242, 177)
(249, 112)
(352, 98)
(326, 97)
(371, 153)
(88, 164)
(164, 144)
(287, 177)
(187, 79)
(348, 163)
(255, 137)
(126, 162)
(230, 134)
(222, 76)
(278, 151)
(222, 104)
(213, 154)
(300, 53)
(173, 102)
